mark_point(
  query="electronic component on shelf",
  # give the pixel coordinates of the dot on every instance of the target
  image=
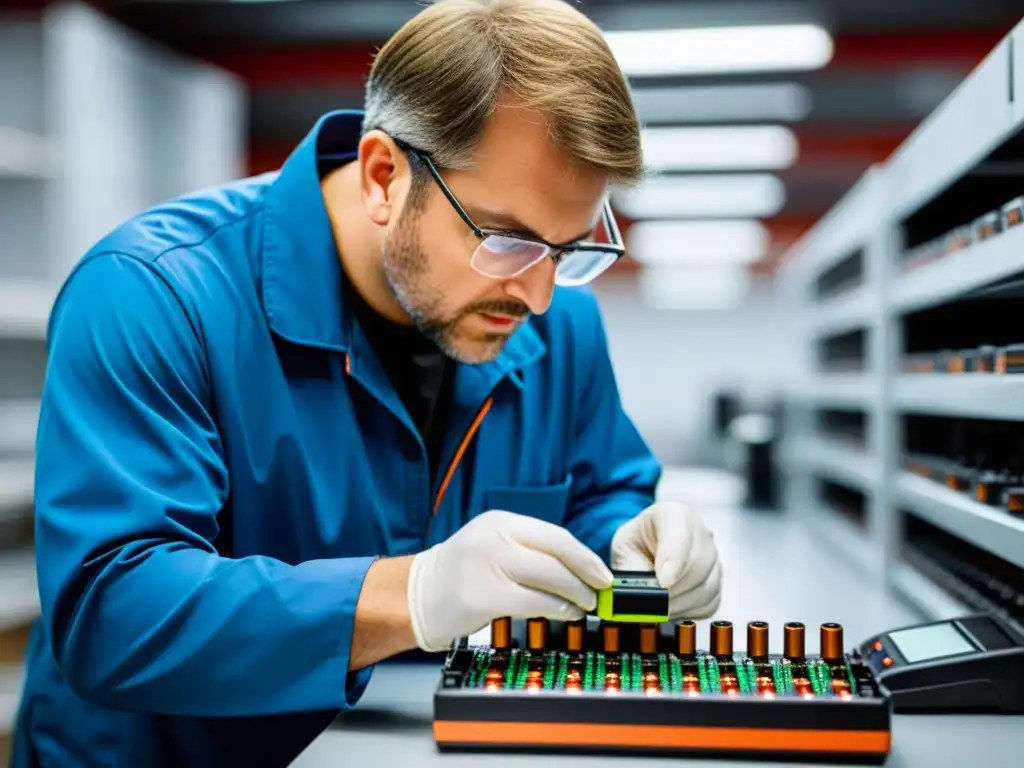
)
(1000, 360)
(990, 486)
(970, 664)
(653, 688)
(633, 597)
(957, 240)
(984, 360)
(1013, 500)
(1013, 213)
(1014, 359)
(959, 477)
(986, 226)
(919, 363)
(953, 362)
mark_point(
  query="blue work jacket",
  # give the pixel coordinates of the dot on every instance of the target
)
(221, 457)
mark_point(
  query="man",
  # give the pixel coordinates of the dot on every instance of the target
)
(301, 423)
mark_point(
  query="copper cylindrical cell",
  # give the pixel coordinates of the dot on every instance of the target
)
(501, 633)
(757, 639)
(649, 638)
(721, 638)
(537, 634)
(686, 638)
(832, 641)
(574, 636)
(610, 637)
(793, 640)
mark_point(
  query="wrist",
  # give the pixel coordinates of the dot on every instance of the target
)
(420, 609)
(382, 622)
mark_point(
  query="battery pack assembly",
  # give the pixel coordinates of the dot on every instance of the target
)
(627, 687)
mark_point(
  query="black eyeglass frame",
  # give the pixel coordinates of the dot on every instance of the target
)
(615, 245)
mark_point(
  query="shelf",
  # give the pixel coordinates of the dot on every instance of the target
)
(17, 480)
(844, 313)
(18, 420)
(960, 273)
(19, 592)
(25, 156)
(838, 462)
(970, 395)
(849, 390)
(987, 528)
(25, 308)
(925, 595)
(843, 537)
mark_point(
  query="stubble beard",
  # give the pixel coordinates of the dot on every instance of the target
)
(407, 274)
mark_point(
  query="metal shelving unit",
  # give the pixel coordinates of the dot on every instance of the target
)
(990, 529)
(940, 180)
(845, 239)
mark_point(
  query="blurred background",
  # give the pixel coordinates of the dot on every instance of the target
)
(751, 326)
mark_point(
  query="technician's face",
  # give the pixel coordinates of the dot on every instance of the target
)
(521, 183)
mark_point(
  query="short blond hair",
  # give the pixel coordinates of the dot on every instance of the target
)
(439, 77)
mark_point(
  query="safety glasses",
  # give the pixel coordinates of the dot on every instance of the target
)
(502, 254)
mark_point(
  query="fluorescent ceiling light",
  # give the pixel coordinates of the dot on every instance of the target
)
(741, 195)
(710, 50)
(721, 148)
(785, 102)
(697, 242)
(689, 288)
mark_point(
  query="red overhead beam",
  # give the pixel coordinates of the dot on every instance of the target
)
(348, 64)
(965, 48)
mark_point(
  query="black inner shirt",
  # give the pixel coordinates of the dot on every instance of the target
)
(423, 376)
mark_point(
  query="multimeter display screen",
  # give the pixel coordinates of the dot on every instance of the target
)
(931, 642)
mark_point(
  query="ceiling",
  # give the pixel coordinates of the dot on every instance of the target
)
(894, 61)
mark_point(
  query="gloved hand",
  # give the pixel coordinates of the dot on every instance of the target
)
(501, 564)
(670, 539)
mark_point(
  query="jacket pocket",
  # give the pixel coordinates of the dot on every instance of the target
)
(546, 502)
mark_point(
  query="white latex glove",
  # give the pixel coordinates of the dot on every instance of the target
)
(501, 564)
(671, 540)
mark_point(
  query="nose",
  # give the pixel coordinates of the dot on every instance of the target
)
(534, 287)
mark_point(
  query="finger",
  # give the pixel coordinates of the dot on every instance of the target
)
(702, 560)
(527, 603)
(629, 550)
(546, 573)
(676, 530)
(548, 538)
(697, 600)
(630, 559)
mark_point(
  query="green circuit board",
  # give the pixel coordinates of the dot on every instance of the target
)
(663, 673)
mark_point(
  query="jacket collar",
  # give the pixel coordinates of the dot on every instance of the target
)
(301, 273)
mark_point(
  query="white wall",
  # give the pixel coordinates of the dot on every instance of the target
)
(135, 123)
(668, 363)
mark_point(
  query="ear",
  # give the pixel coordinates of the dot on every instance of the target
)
(382, 168)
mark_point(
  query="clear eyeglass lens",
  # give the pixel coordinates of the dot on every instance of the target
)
(500, 256)
(580, 267)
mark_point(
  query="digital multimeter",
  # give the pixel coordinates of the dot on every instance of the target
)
(969, 664)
